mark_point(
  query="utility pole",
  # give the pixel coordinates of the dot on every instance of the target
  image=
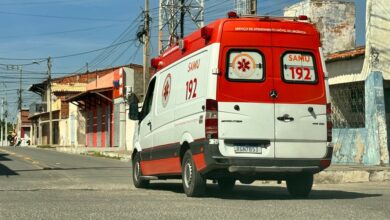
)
(146, 40)
(1, 118)
(182, 13)
(49, 101)
(20, 103)
(5, 114)
(6, 120)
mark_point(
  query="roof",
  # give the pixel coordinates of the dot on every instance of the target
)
(69, 81)
(346, 54)
(80, 96)
(38, 88)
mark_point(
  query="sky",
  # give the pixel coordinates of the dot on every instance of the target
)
(69, 30)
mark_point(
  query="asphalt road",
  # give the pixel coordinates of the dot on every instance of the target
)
(44, 184)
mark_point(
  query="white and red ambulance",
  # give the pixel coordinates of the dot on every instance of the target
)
(243, 98)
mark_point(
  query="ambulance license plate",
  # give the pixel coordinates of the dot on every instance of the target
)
(248, 148)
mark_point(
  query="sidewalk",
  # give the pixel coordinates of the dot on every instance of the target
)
(335, 174)
(353, 174)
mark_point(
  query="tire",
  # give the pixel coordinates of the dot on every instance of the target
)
(194, 184)
(299, 186)
(226, 184)
(137, 173)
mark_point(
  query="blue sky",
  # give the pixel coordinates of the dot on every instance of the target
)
(43, 28)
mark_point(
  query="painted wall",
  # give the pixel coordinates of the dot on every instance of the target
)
(334, 19)
(367, 145)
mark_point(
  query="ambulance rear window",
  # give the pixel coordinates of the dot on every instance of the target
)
(299, 67)
(245, 65)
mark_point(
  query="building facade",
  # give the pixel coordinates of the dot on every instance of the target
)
(105, 109)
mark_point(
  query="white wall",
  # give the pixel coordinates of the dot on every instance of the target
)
(378, 37)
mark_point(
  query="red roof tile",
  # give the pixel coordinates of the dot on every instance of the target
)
(346, 54)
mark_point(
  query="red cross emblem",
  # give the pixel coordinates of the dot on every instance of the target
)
(166, 90)
(243, 65)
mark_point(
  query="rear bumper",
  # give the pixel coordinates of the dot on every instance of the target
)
(263, 168)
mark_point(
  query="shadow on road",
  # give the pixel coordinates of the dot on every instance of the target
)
(262, 192)
(4, 170)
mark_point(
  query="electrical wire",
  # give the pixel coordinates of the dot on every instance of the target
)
(62, 17)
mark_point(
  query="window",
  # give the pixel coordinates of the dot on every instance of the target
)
(147, 106)
(299, 67)
(348, 105)
(245, 65)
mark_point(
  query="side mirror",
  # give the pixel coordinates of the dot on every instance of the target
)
(133, 107)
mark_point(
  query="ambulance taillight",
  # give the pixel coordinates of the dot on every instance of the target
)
(329, 124)
(303, 18)
(211, 120)
(206, 33)
(232, 14)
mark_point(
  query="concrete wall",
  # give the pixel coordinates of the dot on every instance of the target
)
(367, 146)
(334, 19)
(377, 37)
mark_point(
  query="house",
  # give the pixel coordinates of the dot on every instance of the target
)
(105, 109)
(89, 109)
(359, 78)
(65, 116)
(23, 127)
(335, 19)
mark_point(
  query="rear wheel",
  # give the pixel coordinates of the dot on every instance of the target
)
(299, 186)
(194, 183)
(226, 184)
(137, 173)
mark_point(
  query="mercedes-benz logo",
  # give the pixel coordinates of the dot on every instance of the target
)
(273, 93)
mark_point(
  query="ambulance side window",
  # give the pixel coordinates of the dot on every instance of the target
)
(299, 67)
(147, 106)
(245, 65)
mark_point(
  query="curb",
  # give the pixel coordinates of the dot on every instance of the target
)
(364, 174)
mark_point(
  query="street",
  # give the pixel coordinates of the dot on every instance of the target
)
(45, 184)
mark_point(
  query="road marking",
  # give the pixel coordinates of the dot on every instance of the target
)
(35, 163)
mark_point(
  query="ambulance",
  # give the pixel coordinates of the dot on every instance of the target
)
(241, 99)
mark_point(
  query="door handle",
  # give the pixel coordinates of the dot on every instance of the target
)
(150, 125)
(285, 118)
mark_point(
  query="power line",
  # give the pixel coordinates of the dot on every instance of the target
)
(70, 55)
(62, 17)
(39, 2)
(63, 32)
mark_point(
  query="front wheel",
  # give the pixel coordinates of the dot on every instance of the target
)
(137, 173)
(299, 186)
(194, 183)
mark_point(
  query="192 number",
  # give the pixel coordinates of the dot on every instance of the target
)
(191, 88)
(298, 73)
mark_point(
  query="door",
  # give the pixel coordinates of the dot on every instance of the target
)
(145, 124)
(300, 104)
(245, 107)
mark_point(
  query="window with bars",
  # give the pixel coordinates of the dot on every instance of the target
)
(348, 105)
